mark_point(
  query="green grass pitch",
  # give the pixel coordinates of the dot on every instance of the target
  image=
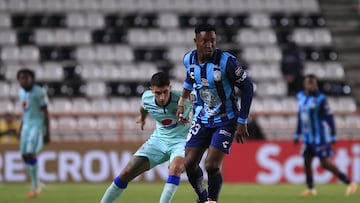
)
(150, 192)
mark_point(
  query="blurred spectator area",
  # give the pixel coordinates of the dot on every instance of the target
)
(95, 58)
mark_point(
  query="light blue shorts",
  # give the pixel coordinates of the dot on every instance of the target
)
(31, 139)
(158, 150)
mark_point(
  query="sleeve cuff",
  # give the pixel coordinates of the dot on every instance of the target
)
(242, 120)
(188, 86)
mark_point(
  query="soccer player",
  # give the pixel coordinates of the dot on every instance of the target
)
(34, 125)
(166, 143)
(314, 118)
(213, 75)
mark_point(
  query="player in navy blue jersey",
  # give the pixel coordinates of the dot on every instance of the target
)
(213, 74)
(314, 120)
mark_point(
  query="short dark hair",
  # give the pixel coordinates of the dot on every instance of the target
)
(204, 27)
(160, 79)
(25, 71)
(311, 76)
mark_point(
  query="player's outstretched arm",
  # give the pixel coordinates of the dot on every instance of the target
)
(141, 120)
(181, 106)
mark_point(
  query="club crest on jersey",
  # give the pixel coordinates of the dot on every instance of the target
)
(192, 75)
(25, 106)
(217, 75)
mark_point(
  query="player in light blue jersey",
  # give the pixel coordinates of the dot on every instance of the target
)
(314, 118)
(213, 75)
(167, 143)
(34, 125)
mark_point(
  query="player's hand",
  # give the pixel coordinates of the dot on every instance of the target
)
(241, 133)
(180, 115)
(141, 122)
(296, 141)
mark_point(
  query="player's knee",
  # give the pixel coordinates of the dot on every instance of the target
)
(190, 165)
(176, 169)
(212, 170)
(28, 157)
(126, 174)
(211, 167)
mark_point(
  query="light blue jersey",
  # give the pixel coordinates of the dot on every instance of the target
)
(32, 101)
(169, 137)
(33, 119)
(167, 125)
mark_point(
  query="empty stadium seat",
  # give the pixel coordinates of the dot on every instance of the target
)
(5, 20)
(7, 37)
(81, 105)
(107, 123)
(4, 90)
(86, 123)
(29, 54)
(10, 53)
(100, 105)
(6, 106)
(95, 89)
(61, 105)
(53, 72)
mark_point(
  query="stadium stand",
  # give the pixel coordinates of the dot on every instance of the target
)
(95, 56)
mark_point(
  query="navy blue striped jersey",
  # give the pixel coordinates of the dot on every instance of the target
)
(315, 119)
(214, 86)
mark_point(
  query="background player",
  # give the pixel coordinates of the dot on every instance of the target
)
(213, 74)
(166, 143)
(34, 125)
(313, 115)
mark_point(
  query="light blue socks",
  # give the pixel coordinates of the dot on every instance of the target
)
(170, 188)
(32, 168)
(114, 191)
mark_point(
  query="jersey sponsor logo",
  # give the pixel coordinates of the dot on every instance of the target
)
(210, 97)
(238, 71)
(217, 75)
(225, 144)
(243, 76)
(211, 111)
(168, 123)
(224, 132)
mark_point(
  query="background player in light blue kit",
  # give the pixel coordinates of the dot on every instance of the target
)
(314, 118)
(213, 74)
(34, 125)
(166, 143)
